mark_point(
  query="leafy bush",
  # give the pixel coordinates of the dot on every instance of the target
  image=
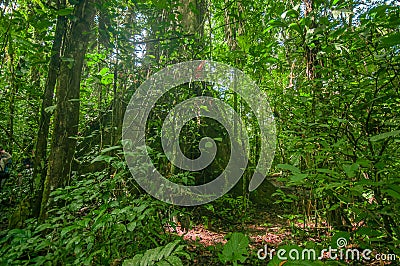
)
(95, 221)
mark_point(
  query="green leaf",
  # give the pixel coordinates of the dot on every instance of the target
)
(50, 109)
(236, 249)
(276, 23)
(119, 228)
(326, 171)
(105, 158)
(295, 27)
(43, 227)
(159, 256)
(65, 11)
(167, 250)
(107, 79)
(392, 193)
(104, 71)
(385, 135)
(110, 149)
(289, 167)
(364, 162)
(298, 177)
(40, 260)
(368, 231)
(44, 244)
(151, 256)
(68, 229)
(131, 226)
(290, 13)
(133, 262)
(243, 43)
(174, 261)
(163, 263)
(334, 207)
(350, 170)
(162, 4)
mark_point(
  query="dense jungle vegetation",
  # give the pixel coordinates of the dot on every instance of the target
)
(329, 69)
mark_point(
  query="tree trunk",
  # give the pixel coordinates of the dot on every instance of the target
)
(14, 91)
(192, 22)
(234, 24)
(311, 53)
(234, 28)
(66, 120)
(39, 172)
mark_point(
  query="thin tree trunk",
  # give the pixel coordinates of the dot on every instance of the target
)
(66, 120)
(14, 91)
(234, 24)
(234, 28)
(39, 172)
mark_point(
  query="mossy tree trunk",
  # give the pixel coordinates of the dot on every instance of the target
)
(66, 120)
(39, 173)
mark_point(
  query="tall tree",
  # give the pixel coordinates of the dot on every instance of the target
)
(66, 118)
(39, 173)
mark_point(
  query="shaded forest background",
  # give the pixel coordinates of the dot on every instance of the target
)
(68, 69)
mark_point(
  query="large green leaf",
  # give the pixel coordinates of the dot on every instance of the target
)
(385, 135)
(236, 249)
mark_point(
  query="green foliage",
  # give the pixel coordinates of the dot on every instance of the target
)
(96, 221)
(164, 255)
(229, 210)
(331, 75)
(236, 249)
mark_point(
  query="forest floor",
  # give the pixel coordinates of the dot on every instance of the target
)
(264, 229)
(270, 227)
